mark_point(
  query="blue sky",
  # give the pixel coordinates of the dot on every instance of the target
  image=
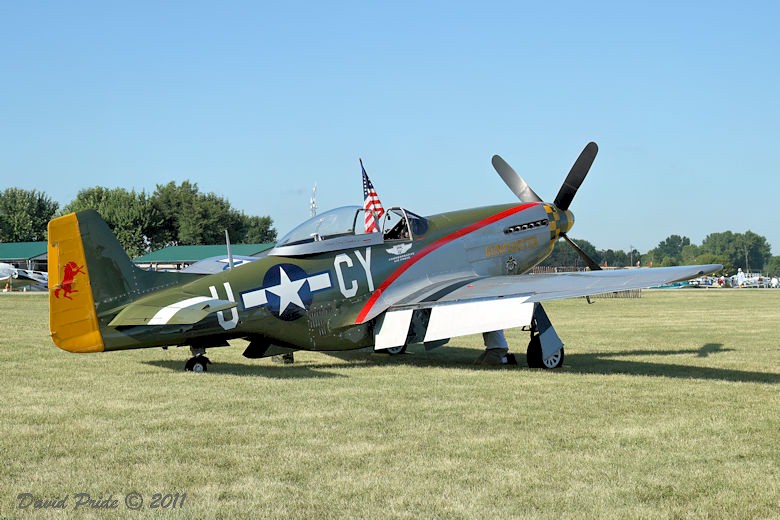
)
(257, 101)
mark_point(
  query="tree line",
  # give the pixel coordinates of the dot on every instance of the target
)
(748, 251)
(174, 214)
(179, 214)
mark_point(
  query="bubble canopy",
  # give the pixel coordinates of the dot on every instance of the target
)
(344, 221)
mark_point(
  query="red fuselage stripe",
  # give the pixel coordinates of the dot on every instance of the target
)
(432, 247)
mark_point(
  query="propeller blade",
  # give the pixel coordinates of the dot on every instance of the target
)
(576, 176)
(515, 183)
(585, 258)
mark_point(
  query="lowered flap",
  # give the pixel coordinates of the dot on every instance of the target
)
(460, 319)
(185, 312)
(449, 320)
(392, 329)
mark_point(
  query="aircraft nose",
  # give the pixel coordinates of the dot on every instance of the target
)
(567, 221)
(560, 221)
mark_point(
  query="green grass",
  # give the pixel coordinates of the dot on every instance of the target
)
(668, 407)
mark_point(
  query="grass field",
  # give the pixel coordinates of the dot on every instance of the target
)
(668, 407)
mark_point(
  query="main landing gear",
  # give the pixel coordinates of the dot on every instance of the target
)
(535, 357)
(545, 350)
(198, 362)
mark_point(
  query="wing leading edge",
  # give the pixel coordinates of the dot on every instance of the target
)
(555, 286)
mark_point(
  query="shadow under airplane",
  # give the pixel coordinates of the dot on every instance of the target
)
(603, 363)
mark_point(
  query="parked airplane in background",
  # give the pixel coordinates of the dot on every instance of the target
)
(328, 285)
(17, 278)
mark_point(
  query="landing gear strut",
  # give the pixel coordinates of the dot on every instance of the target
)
(545, 350)
(198, 362)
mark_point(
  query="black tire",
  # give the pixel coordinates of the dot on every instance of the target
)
(396, 351)
(200, 365)
(534, 353)
(197, 364)
(535, 359)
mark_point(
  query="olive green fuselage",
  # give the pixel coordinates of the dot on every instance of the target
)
(329, 300)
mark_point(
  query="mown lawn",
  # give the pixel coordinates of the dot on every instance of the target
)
(668, 407)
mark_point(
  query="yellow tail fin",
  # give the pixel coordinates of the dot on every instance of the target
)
(72, 317)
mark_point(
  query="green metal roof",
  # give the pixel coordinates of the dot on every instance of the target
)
(188, 254)
(22, 250)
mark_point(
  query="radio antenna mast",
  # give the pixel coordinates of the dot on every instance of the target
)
(313, 200)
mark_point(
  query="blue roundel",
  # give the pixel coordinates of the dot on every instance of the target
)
(287, 291)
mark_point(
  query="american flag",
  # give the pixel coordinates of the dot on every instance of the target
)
(371, 203)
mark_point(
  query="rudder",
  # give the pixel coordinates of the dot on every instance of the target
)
(73, 322)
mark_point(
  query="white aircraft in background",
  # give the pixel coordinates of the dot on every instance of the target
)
(16, 277)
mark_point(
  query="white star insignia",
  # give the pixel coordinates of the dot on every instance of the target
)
(287, 291)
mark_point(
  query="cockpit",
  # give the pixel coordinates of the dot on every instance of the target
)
(348, 226)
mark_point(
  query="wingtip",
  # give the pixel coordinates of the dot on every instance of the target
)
(710, 268)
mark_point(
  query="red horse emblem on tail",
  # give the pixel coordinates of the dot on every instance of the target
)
(71, 270)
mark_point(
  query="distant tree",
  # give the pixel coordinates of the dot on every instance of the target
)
(669, 251)
(772, 267)
(172, 202)
(24, 215)
(746, 250)
(648, 259)
(206, 220)
(689, 254)
(259, 230)
(634, 256)
(130, 215)
(756, 250)
(614, 258)
(669, 261)
(562, 256)
(707, 258)
(191, 217)
(565, 256)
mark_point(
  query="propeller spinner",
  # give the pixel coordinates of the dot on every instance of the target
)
(571, 184)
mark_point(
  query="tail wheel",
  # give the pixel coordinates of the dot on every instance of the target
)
(197, 364)
(201, 364)
(394, 351)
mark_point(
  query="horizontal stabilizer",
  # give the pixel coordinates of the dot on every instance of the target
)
(185, 312)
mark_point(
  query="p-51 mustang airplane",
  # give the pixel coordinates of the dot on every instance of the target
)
(329, 286)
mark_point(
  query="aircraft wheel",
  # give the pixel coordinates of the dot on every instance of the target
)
(394, 351)
(534, 355)
(197, 364)
(554, 361)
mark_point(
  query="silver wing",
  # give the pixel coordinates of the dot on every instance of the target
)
(503, 302)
